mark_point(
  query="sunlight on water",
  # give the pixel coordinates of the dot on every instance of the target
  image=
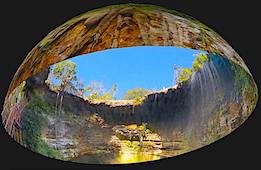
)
(128, 157)
(135, 157)
(131, 152)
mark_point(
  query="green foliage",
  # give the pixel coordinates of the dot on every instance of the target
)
(183, 74)
(244, 83)
(106, 96)
(144, 128)
(48, 151)
(138, 100)
(199, 61)
(136, 94)
(34, 118)
(65, 72)
(134, 145)
(96, 91)
(97, 96)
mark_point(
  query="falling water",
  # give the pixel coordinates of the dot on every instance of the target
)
(185, 109)
(133, 109)
(208, 89)
(56, 102)
(61, 103)
(59, 126)
(155, 99)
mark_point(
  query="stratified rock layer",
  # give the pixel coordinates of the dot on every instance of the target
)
(214, 102)
(211, 104)
(122, 26)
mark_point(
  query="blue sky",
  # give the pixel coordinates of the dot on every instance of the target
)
(149, 67)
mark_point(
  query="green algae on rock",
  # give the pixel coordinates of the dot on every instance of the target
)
(50, 111)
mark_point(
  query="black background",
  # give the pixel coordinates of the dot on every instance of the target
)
(24, 23)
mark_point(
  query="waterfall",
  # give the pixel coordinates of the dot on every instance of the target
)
(209, 89)
(155, 99)
(59, 125)
(133, 109)
(61, 103)
(56, 102)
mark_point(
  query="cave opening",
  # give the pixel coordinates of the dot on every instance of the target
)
(196, 103)
(125, 75)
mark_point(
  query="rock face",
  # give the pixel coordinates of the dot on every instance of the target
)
(205, 108)
(66, 147)
(135, 133)
(121, 26)
(136, 139)
(211, 104)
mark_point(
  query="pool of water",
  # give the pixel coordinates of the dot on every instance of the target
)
(117, 158)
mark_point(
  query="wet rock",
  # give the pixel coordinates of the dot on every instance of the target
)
(124, 133)
(194, 107)
(133, 133)
(67, 147)
(122, 26)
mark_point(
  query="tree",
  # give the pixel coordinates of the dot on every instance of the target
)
(65, 72)
(184, 74)
(199, 61)
(136, 94)
(64, 75)
(63, 78)
(96, 91)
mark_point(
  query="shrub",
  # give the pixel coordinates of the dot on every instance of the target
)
(183, 74)
(32, 122)
(199, 61)
(96, 91)
(136, 94)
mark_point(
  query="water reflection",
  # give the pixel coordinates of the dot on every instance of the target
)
(132, 152)
(123, 157)
(134, 157)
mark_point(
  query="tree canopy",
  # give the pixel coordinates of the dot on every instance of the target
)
(199, 61)
(65, 71)
(136, 94)
(184, 74)
(96, 91)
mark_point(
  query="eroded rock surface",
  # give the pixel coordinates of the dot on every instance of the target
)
(211, 104)
(122, 26)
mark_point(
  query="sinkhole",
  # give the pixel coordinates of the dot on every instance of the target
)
(128, 84)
